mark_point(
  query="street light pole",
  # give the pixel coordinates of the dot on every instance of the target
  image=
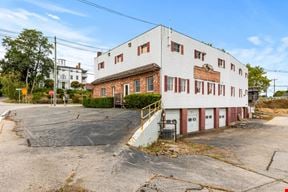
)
(55, 72)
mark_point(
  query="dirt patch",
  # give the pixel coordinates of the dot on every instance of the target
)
(272, 104)
(70, 188)
(274, 112)
(182, 147)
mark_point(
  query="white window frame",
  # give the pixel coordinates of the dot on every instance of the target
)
(147, 84)
(135, 87)
(170, 83)
(183, 85)
(103, 92)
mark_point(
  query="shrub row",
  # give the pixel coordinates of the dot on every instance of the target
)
(105, 102)
(138, 101)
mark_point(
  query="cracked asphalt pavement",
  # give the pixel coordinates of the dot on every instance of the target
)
(100, 167)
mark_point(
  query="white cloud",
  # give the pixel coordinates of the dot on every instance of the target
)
(272, 56)
(55, 17)
(54, 8)
(255, 40)
(17, 19)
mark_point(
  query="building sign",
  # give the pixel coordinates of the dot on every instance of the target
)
(24, 91)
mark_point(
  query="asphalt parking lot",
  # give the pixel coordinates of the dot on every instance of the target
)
(75, 126)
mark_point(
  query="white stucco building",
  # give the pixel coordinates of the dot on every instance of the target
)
(67, 74)
(202, 87)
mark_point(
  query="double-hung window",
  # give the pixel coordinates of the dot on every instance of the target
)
(150, 85)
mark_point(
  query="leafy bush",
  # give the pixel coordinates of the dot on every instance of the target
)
(138, 101)
(105, 102)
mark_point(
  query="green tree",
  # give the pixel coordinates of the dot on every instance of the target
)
(280, 93)
(75, 84)
(10, 82)
(257, 78)
(49, 83)
(28, 55)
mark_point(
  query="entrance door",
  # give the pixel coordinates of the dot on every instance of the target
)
(209, 119)
(126, 90)
(193, 120)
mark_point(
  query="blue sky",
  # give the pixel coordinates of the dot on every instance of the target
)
(254, 31)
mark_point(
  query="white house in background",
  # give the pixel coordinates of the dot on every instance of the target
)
(67, 74)
(202, 87)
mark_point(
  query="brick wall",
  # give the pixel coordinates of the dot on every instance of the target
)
(203, 74)
(119, 83)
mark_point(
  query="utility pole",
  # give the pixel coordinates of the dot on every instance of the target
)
(55, 72)
(273, 86)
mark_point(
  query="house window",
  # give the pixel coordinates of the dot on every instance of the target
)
(182, 85)
(232, 91)
(71, 77)
(145, 48)
(118, 58)
(150, 86)
(240, 93)
(77, 77)
(103, 92)
(240, 72)
(221, 63)
(199, 55)
(199, 87)
(232, 67)
(101, 65)
(170, 81)
(221, 89)
(63, 76)
(246, 75)
(246, 92)
(176, 47)
(137, 86)
(211, 88)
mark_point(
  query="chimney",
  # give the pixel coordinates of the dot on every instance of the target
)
(99, 53)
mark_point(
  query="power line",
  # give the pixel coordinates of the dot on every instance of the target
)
(115, 12)
(73, 47)
(64, 40)
(81, 44)
(276, 71)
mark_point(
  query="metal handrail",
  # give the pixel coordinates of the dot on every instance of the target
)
(152, 108)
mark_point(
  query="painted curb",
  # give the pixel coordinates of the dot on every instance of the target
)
(3, 115)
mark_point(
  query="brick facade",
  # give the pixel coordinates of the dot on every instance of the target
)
(204, 74)
(201, 119)
(216, 117)
(119, 84)
(183, 121)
